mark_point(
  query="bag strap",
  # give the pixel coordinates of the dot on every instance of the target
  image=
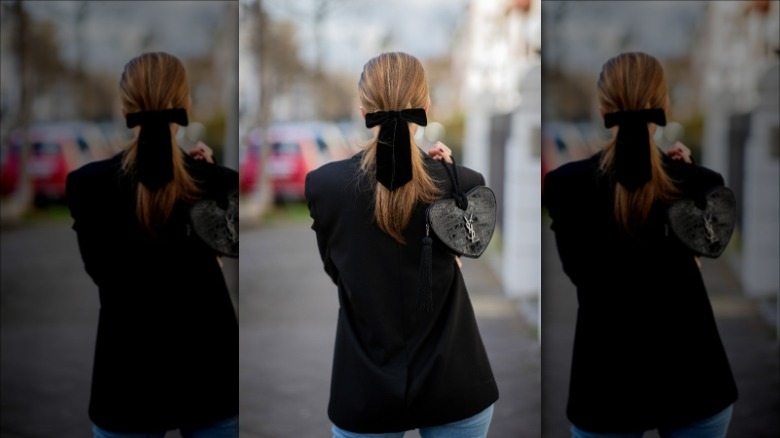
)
(425, 287)
(452, 171)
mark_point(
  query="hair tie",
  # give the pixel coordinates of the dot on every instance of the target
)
(154, 156)
(632, 149)
(394, 164)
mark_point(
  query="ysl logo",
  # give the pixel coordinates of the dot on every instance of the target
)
(708, 226)
(470, 228)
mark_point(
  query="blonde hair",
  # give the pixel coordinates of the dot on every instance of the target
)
(153, 82)
(394, 82)
(635, 81)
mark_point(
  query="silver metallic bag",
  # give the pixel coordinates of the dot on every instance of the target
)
(464, 223)
(465, 231)
(216, 223)
(705, 225)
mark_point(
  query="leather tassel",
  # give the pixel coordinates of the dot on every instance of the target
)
(425, 293)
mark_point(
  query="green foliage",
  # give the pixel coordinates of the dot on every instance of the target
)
(286, 213)
(215, 135)
(454, 129)
(694, 135)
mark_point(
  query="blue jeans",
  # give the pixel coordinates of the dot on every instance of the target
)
(221, 429)
(472, 427)
(713, 427)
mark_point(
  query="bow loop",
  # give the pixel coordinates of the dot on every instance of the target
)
(632, 145)
(653, 115)
(154, 156)
(394, 164)
(175, 115)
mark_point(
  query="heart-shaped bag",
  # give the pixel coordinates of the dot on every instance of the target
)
(217, 225)
(464, 223)
(705, 227)
(466, 232)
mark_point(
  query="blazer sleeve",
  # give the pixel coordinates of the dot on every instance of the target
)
(693, 180)
(92, 245)
(217, 181)
(573, 245)
(320, 229)
(706, 179)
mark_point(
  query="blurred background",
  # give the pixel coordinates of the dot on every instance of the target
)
(60, 64)
(299, 66)
(721, 65)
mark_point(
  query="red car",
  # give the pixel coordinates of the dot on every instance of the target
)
(55, 150)
(295, 150)
(249, 166)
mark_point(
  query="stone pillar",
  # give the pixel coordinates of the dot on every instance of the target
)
(715, 147)
(761, 199)
(521, 270)
(476, 142)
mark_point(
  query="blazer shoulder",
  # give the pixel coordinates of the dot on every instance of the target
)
(469, 178)
(95, 175)
(692, 177)
(211, 174)
(707, 177)
(98, 169)
(331, 175)
(336, 169)
(572, 175)
(576, 170)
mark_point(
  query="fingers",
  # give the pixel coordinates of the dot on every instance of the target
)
(698, 262)
(219, 261)
(440, 151)
(675, 154)
(680, 152)
(202, 152)
(460, 265)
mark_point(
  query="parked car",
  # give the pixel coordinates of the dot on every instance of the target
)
(55, 150)
(295, 149)
(10, 168)
(249, 166)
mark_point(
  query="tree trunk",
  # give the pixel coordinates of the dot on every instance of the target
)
(22, 198)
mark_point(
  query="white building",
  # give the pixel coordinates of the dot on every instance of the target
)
(500, 61)
(738, 66)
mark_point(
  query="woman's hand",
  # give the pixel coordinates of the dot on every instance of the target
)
(202, 152)
(460, 265)
(219, 262)
(679, 151)
(440, 151)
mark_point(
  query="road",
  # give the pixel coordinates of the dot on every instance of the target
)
(48, 320)
(287, 327)
(749, 342)
(48, 323)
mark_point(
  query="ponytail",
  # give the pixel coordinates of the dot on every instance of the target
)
(393, 91)
(154, 92)
(632, 93)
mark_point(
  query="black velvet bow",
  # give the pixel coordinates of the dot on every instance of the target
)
(632, 151)
(394, 164)
(154, 159)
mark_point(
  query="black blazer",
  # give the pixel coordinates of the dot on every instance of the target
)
(167, 343)
(647, 353)
(395, 368)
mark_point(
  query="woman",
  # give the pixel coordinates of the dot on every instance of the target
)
(397, 367)
(167, 346)
(647, 354)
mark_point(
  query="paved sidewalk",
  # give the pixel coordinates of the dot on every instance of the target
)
(48, 323)
(749, 343)
(287, 327)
